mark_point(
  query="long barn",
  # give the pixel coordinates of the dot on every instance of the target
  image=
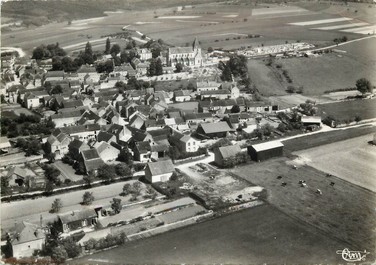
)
(264, 151)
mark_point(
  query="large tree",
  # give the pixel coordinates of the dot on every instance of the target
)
(107, 172)
(87, 198)
(116, 205)
(363, 85)
(56, 206)
(108, 46)
(115, 49)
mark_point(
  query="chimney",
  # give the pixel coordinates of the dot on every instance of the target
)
(72, 213)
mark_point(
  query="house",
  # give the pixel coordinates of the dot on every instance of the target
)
(89, 117)
(198, 117)
(4, 145)
(107, 151)
(82, 132)
(144, 54)
(54, 76)
(215, 94)
(58, 142)
(189, 56)
(260, 107)
(66, 117)
(263, 151)
(25, 239)
(16, 176)
(184, 142)
(159, 149)
(142, 152)
(212, 130)
(91, 160)
(182, 95)
(76, 220)
(88, 74)
(207, 86)
(223, 153)
(76, 147)
(122, 133)
(106, 137)
(31, 100)
(160, 171)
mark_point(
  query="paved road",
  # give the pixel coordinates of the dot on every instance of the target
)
(30, 210)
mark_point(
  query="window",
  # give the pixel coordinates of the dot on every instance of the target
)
(189, 144)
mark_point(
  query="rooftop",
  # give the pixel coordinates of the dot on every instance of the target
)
(161, 167)
(267, 146)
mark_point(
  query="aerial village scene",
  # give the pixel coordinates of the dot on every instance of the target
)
(188, 131)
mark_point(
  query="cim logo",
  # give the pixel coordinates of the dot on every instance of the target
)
(352, 256)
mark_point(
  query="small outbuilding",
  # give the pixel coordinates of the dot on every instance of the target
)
(264, 151)
(311, 121)
(225, 152)
(160, 171)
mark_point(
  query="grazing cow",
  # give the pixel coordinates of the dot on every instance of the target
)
(284, 184)
(304, 185)
(318, 191)
(279, 177)
(332, 184)
(294, 167)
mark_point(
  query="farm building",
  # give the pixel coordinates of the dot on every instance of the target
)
(264, 151)
(311, 121)
(225, 152)
(160, 171)
(75, 220)
(211, 130)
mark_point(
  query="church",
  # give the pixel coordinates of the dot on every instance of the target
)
(188, 56)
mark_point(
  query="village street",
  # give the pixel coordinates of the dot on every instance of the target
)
(30, 210)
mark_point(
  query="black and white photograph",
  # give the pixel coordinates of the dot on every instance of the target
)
(188, 132)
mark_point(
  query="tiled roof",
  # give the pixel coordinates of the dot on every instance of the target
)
(74, 216)
(229, 151)
(215, 127)
(179, 50)
(26, 232)
(161, 167)
(216, 92)
(90, 154)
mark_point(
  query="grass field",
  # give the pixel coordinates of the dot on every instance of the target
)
(329, 72)
(212, 25)
(366, 109)
(335, 211)
(254, 236)
(352, 160)
(310, 141)
(268, 82)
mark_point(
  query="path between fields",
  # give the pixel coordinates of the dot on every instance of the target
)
(343, 43)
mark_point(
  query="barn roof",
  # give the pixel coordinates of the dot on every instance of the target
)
(229, 151)
(161, 167)
(215, 127)
(267, 146)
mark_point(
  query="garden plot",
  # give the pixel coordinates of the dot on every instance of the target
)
(219, 189)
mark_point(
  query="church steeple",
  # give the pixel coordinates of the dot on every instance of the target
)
(196, 44)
